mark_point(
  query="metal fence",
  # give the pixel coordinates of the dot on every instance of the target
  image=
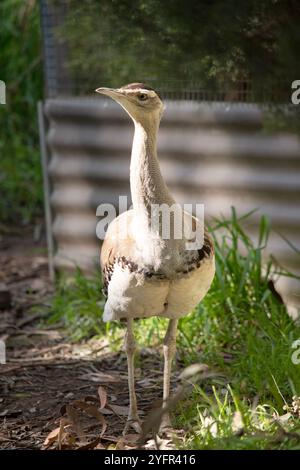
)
(61, 81)
(211, 145)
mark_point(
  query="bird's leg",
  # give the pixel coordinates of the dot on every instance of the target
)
(133, 418)
(169, 352)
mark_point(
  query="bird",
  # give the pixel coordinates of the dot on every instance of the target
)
(144, 272)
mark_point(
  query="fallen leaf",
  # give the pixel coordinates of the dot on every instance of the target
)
(109, 438)
(127, 441)
(192, 370)
(96, 443)
(283, 419)
(100, 377)
(53, 334)
(5, 368)
(102, 396)
(120, 445)
(62, 432)
(119, 410)
(122, 410)
(92, 410)
(93, 399)
(75, 421)
(10, 413)
(100, 446)
(131, 439)
(159, 444)
(146, 382)
(105, 411)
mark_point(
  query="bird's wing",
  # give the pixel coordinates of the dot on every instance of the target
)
(207, 249)
(119, 248)
(125, 276)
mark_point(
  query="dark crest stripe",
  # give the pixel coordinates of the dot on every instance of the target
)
(136, 86)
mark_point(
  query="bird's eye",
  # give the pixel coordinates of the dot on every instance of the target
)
(143, 96)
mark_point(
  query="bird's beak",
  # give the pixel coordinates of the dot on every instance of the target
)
(117, 95)
(111, 92)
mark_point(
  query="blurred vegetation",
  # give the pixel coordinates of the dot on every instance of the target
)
(21, 70)
(240, 330)
(213, 43)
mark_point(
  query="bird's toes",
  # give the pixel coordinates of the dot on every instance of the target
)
(133, 423)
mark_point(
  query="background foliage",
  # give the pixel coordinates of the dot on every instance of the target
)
(213, 43)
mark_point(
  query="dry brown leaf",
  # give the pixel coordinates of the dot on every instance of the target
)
(159, 444)
(63, 422)
(10, 413)
(96, 443)
(146, 382)
(69, 442)
(196, 372)
(102, 396)
(5, 368)
(110, 438)
(119, 409)
(131, 439)
(92, 410)
(99, 446)
(106, 411)
(90, 398)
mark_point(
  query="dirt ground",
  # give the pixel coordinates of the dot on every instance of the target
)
(55, 394)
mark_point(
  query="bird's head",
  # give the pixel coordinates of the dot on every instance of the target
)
(141, 102)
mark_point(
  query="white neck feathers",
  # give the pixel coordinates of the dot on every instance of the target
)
(147, 189)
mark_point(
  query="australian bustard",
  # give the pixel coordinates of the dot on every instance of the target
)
(146, 274)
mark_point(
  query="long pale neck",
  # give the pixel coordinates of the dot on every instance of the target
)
(146, 182)
(147, 189)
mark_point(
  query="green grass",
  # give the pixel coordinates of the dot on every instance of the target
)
(240, 330)
(78, 303)
(225, 419)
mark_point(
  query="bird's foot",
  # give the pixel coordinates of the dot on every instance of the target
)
(133, 422)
